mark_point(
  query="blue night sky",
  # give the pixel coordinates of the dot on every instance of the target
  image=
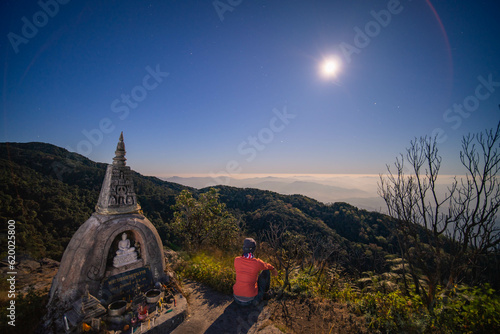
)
(236, 86)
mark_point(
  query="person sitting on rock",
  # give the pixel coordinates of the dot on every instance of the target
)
(251, 286)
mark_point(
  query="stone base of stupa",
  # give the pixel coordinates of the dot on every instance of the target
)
(158, 321)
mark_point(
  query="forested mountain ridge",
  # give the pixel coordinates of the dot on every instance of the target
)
(50, 192)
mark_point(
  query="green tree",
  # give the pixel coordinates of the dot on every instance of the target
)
(204, 221)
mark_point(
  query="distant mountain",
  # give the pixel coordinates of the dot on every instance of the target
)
(50, 192)
(289, 186)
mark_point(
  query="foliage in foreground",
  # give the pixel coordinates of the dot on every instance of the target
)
(464, 310)
(215, 271)
(470, 310)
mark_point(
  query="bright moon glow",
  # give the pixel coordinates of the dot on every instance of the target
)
(330, 68)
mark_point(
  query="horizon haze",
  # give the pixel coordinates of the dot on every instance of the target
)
(358, 190)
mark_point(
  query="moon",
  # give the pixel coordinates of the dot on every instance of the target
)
(330, 68)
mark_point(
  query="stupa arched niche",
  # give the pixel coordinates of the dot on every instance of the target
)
(133, 240)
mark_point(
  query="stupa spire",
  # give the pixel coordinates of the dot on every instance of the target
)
(119, 159)
(117, 193)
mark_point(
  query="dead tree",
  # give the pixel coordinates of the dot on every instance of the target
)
(288, 248)
(321, 249)
(443, 235)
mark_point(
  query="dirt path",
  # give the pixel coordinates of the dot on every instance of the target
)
(211, 312)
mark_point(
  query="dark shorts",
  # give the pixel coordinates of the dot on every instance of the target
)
(263, 284)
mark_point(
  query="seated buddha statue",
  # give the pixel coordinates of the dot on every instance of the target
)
(125, 254)
(124, 246)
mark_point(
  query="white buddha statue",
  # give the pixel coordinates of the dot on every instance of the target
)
(125, 254)
(124, 246)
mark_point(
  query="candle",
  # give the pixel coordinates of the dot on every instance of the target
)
(66, 322)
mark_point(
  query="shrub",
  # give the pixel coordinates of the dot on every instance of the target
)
(30, 308)
(469, 310)
(393, 312)
(215, 271)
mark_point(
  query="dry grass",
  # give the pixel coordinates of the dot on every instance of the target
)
(316, 315)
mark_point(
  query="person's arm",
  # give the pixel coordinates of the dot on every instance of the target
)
(270, 267)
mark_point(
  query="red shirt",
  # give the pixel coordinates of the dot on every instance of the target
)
(247, 273)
